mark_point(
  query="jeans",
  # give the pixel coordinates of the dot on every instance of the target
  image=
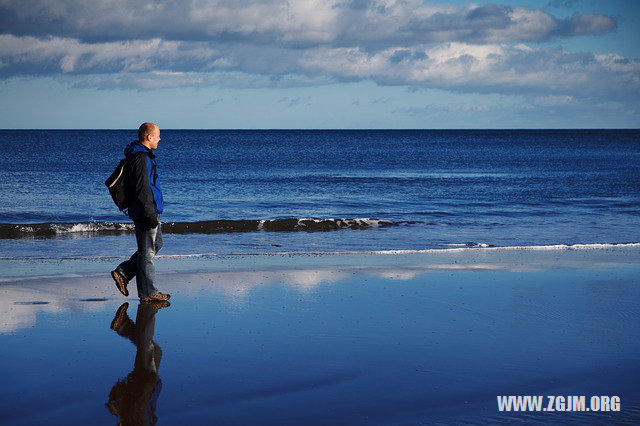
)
(140, 263)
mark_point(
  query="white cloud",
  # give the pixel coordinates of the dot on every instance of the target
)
(292, 23)
(551, 100)
(278, 43)
(155, 80)
(487, 68)
(31, 55)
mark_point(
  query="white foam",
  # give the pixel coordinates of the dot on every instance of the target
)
(343, 223)
(482, 247)
(373, 223)
(88, 227)
(598, 246)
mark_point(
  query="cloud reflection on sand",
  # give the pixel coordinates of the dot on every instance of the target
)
(96, 292)
(19, 297)
(239, 284)
(20, 306)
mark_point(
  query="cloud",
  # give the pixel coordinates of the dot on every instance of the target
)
(373, 23)
(255, 43)
(552, 101)
(464, 108)
(291, 102)
(463, 67)
(155, 80)
(500, 24)
(563, 3)
(491, 68)
(579, 25)
(51, 55)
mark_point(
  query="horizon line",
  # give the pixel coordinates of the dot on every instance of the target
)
(325, 129)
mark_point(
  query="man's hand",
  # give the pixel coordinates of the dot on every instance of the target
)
(152, 222)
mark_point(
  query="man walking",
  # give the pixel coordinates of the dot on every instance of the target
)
(143, 188)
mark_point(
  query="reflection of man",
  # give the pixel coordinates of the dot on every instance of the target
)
(133, 399)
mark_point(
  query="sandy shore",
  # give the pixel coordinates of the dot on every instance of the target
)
(403, 338)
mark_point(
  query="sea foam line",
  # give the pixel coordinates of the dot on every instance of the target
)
(53, 229)
(594, 246)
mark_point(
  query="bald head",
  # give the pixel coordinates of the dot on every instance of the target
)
(146, 129)
(149, 135)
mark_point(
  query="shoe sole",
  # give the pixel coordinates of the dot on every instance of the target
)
(162, 298)
(121, 286)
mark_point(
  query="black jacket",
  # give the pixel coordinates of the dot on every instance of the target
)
(142, 185)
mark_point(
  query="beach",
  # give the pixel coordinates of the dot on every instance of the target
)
(387, 338)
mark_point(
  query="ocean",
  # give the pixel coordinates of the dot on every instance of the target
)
(268, 191)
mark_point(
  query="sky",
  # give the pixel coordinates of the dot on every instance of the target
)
(317, 64)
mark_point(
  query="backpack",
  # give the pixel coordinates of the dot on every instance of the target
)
(116, 185)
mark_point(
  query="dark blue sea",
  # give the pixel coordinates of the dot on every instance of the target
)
(264, 191)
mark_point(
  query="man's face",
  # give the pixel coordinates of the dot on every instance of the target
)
(154, 138)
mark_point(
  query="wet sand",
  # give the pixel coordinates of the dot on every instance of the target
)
(417, 338)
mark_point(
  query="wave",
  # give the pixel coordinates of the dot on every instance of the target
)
(466, 247)
(471, 247)
(52, 229)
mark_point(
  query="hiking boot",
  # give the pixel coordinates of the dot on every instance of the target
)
(121, 283)
(121, 315)
(158, 297)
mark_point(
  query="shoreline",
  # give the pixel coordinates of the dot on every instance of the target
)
(506, 258)
(454, 248)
